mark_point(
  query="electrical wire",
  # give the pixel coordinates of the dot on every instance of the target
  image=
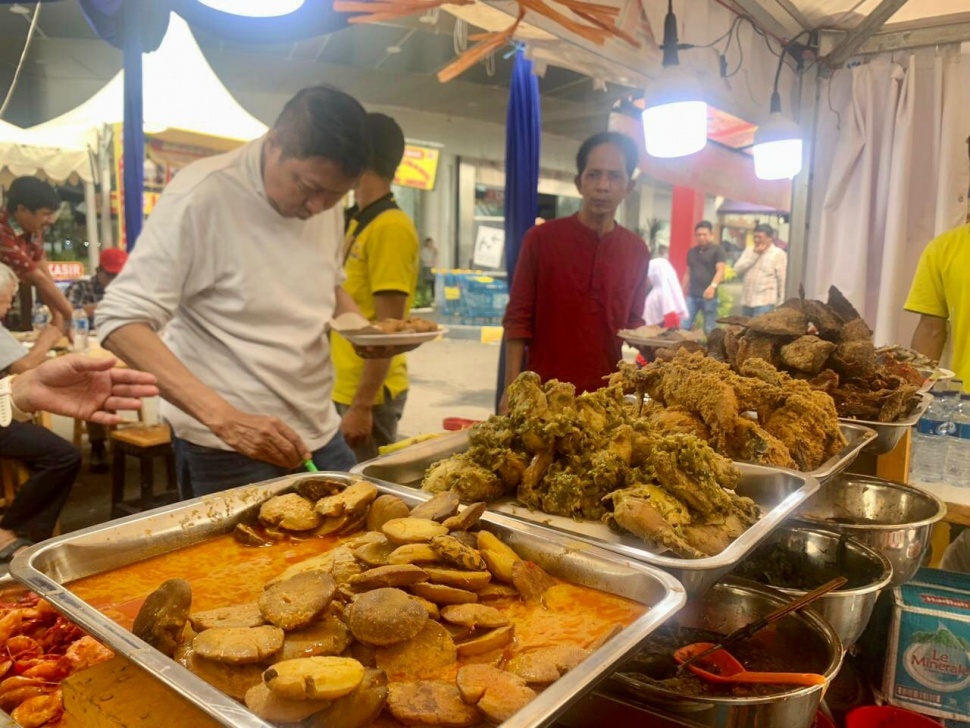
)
(23, 57)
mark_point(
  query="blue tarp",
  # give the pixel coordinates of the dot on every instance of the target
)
(522, 138)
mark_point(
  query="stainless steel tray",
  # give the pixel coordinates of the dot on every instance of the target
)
(858, 437)
(779, 492)
(888, 434)
(47, 566)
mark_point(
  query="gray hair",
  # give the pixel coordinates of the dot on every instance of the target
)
(8, 279)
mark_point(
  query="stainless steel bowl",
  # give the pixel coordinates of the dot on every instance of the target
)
(819, 557)
(805, 639)
(891, 518)
(888, 434)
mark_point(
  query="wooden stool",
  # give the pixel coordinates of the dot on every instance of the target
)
(145, 444)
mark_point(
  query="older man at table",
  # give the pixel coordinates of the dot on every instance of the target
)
(240, 261)
(52, 461)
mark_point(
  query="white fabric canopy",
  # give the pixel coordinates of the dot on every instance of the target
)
(890, 174)
(22, 155)
(181, 91)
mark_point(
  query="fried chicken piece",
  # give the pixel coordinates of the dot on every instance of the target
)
(827, 381)
(641, 517)
(716, 348)
(755, 345)
(697, 384)
(529, 411)
(897, 404)
(857, 330)
(467, 478)
(677, 420)
(751, 443)
(692, 472)
(854, 359)
(806, 354)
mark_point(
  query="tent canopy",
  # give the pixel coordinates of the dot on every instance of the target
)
(21, 154)
(183, 98)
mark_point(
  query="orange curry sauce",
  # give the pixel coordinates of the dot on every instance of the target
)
(223, 572)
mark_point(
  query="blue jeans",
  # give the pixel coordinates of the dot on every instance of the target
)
(752, 311)
(204, 470)
(706, 305)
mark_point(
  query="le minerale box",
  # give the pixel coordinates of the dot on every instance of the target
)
(928, 664)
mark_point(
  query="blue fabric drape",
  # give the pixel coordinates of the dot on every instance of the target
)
(522, 139)
(133, 126)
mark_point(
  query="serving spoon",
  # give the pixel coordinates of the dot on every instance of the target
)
(720, 666)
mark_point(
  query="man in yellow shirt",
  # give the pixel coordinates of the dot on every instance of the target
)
(381, 260)
(940, 294)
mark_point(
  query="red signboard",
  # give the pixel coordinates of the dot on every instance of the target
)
(66, 271)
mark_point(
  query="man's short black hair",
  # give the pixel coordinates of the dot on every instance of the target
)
(321, 121)
(33, 193)
(386, 144)
(704, 224)
(765, 228)
(624, 143)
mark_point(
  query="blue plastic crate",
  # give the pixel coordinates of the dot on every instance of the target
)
(482, 297)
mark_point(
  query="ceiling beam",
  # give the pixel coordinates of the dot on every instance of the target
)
(768, 21)
(917, 38)
(855, 38)
(799, 17)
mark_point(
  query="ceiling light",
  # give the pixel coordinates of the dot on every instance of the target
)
(777, 145)
(393, 50)
(255, 8)
(675, 113)
(19, 9)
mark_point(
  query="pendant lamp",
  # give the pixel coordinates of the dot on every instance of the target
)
(778, 142)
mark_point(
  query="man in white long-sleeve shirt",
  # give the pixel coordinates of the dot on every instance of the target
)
(763, 269)
(239, 262)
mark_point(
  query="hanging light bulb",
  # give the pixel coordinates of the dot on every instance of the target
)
(777, 145)
(675, 114)
(255, 8)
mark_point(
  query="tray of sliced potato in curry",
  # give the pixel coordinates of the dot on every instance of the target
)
(330, 600)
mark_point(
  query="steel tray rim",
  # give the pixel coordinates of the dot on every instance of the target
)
(863, 436)
(925, 399)
(541, 711)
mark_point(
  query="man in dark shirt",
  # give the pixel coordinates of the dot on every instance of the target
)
(579, 279)
(705, 271)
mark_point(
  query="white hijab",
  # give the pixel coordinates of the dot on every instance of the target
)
(665, 294)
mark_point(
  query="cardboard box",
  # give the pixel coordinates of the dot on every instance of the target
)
(928, 661)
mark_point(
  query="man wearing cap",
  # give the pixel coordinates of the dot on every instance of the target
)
(87, 294)
(381, 261)
(32, 206)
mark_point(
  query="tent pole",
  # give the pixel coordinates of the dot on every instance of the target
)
(91, 221)
(105, 160)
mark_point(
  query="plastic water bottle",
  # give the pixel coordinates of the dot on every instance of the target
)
(40, 317)
(81, 327)
(931, 441)
(957, 468)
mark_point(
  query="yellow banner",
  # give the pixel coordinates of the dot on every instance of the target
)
(418, 169)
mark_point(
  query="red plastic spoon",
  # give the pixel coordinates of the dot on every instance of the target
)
(721, 666)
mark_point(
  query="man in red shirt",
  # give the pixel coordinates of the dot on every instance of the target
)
(579, 279)
(32, 205)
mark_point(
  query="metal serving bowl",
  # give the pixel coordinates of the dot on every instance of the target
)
(819, 557)
(891, 518)
(807, 641)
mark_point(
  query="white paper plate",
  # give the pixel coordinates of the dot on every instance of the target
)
(393, 339)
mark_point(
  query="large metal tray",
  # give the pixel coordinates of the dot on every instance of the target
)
(779, 492)
(46, 567)
(888, 434)
(858, 437)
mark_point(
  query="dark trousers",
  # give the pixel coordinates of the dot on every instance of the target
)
(752, 311)
(204, 470)
(386, 417)
(53, 464)
(699, 304)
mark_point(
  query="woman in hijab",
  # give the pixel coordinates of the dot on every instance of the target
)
(665, 305)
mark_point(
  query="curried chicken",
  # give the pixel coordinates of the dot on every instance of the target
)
(645, 470)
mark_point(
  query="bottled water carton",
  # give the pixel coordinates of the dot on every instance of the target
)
(957, 469)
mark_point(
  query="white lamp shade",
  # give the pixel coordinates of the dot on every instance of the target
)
(255, 8)
(676, 129)
(777, 148)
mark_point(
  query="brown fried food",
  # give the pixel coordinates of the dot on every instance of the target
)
(163, 615)
(677, 420)
(440, 507)
(233, 680)
(716, 347)
(780, 322)
(388, 576)
(454, 552)
(329, 636)
(854, 359)
(840, 305)
(291, 512)
(531, 580)
(465, 477)
(430, 703)
(384, 616)
(544, 665)
(826, 322)
(268, 705)
(898, 404)
(296, 602)
(421, 657)
(239, 645)
(497, 693)
(487, 643)
(442, 595)
(471, 580)
(358, 709)
(313, 488)
(806, 354)
(754, 345)
(385, 508)
(242, 615)
(474, 616)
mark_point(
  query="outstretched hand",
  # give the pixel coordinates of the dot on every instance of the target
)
(83, 388)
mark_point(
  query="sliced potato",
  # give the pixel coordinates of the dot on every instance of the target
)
(315, 564)
(467, 519)
(472, 580)
(353, 524)
(441, 506)
(494, 592)
(352, 501)
(500, 564)
(544, 665)
(412, 530)
(386, 508)
(244, 615)
(296, 602)
(492, 640)
(441, 594)
(331, 525)
(314, 678)
(329, 636)
(414, 553)
(384, 616)
(466, 537)
(238, 645)
(430, 703)
(268, 705)
(497, 693)
(358, 709)
(488, 541)
(290, 511)
(388, 576)
(363, 653)
(530, 579)
(345, 566)
(458, 632)
(420, 657)
(431, 607)
(454, 552)
(374, 553)
(474, 616)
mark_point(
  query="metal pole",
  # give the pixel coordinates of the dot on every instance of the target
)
(104, 156)
(802, 184)
(91, 221)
